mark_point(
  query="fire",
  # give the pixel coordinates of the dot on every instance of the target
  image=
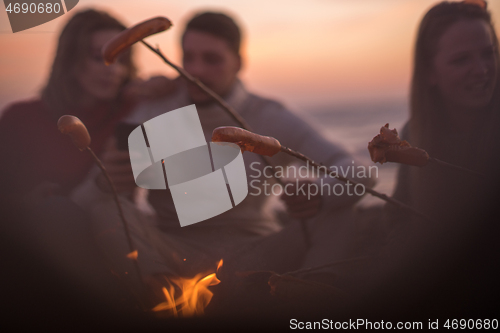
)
(133, 255)
(187, 297)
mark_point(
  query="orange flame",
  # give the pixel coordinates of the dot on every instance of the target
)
(192, 295)
(133, 255)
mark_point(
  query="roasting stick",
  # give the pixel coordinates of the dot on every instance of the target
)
(456, 167)
(137, 33)
(344, 179)
(152, 26)
(239, 119)
(388, 147)
(264, 145)
(78, 133)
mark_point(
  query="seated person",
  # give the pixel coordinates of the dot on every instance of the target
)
(34, 152)
(40, 166)
(211, 53)
(455, 112)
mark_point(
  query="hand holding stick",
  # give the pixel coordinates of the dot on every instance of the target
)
(246, 139)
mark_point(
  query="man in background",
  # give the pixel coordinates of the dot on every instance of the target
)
(211, 52)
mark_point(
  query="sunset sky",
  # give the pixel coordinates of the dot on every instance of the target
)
(303, 52)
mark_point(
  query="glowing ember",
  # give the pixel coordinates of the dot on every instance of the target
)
(132, 255)
(187, 297)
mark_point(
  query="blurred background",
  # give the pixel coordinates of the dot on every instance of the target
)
(345, 65)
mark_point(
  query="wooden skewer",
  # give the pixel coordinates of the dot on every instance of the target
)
(229, 109)
(388, 147)
(125, 39)
(247, 139)
(456, 167)
(137, 33)
(78, 133)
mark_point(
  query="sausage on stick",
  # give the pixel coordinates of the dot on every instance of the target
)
(248, 141)
(76, 130)
(132, 35)
(388, 147)
(124, 40)
(267, 145)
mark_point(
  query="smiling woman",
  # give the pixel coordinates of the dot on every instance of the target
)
(40, 165)
(455, 106)
(79, 84)
(465, 67)
(455, 116)
(456, 67)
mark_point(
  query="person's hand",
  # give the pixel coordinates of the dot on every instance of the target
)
(302, 202)
(153, 88)
(117, 164)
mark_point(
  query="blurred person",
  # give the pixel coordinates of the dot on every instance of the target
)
(454, 116)
(40, 166)
(455, 98)
(33, 150)
(211, 53)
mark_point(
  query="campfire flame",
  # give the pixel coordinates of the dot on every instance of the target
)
(133, 255)
(187, 297)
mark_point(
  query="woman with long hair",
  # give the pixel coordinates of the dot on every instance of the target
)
(33, 151)
(443, 266)
(41, 227)
(454, 112)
